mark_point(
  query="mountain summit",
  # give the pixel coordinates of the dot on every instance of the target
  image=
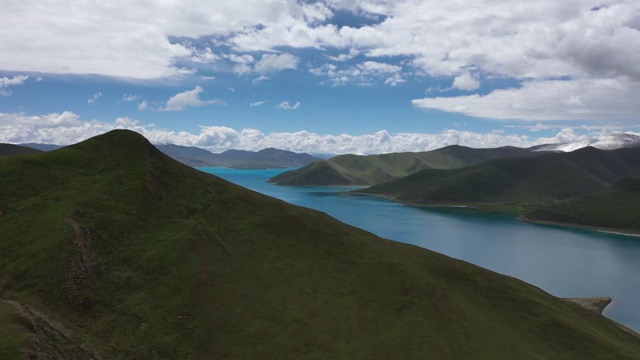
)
(110, 249)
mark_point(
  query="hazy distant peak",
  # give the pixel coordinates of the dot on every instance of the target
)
(606, 142)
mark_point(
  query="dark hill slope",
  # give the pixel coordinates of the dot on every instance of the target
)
(523, 181)
(374, 169)
(132, 255)
(616, 207)
(12, 150)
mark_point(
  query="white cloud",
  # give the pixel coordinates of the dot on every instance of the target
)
(95, 98)
(16, 80)
(575, 40)
(6, 82)
(371, 67)
(268, 63)
(189, 98)
(259, 79)
(271, 63)
(144, 105)
(257, 103)
(67, 128)
(601, 99)
(365, 73)
(395, 80)
(465, 81)
(203, 56)
(286, 106)
(536, 40)
(130, 97)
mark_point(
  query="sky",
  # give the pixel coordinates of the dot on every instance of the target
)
(324, 77)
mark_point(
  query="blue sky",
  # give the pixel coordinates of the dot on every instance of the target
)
(334, 76)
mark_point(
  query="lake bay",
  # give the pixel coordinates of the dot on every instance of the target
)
(562, 261)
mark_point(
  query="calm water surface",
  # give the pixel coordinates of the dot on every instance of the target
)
(564, 262)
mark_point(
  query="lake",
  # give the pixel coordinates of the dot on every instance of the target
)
(562, 261)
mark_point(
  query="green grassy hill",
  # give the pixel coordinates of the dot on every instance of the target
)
(514, 184)
(110, 249)
(374, 169)
(616, 207)
(12, 150)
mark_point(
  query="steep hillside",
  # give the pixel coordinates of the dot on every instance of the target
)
(374, 169)
(516, 182)
(616, 207)
(264, 159)
(12, 150)
(111, 250)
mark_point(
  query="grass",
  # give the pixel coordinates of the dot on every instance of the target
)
(14, 333)
(186, 265)
(616, 207)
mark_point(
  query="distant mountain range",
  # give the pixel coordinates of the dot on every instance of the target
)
(374, 169)
(42, 147)
(240, 159)
(562, 187)
(12, 150)
(110, 249)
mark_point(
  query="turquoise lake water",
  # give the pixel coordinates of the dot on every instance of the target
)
(564, 262)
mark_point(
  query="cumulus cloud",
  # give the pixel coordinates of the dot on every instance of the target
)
(144, 105)
(465, 81)
(94, 98)
(573, 40)
(268, 63)
(600, 99)
(365, 73)
(257, 103)
(286, 106)
(67, 128)
(189, 98)
(130, 97)
(6, 82)
(395, 80)
(519, 39)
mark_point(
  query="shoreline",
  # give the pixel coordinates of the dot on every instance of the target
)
(522, 218)
(623, 232)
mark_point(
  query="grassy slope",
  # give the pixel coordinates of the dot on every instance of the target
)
(374, 169)
(616, 207)
(175, 263)
(516, 183)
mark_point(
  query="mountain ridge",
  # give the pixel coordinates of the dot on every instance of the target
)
(13, 150)
(358, 170)
(243, 159)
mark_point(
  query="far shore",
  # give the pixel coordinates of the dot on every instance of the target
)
(614, 231)
(623, 232)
